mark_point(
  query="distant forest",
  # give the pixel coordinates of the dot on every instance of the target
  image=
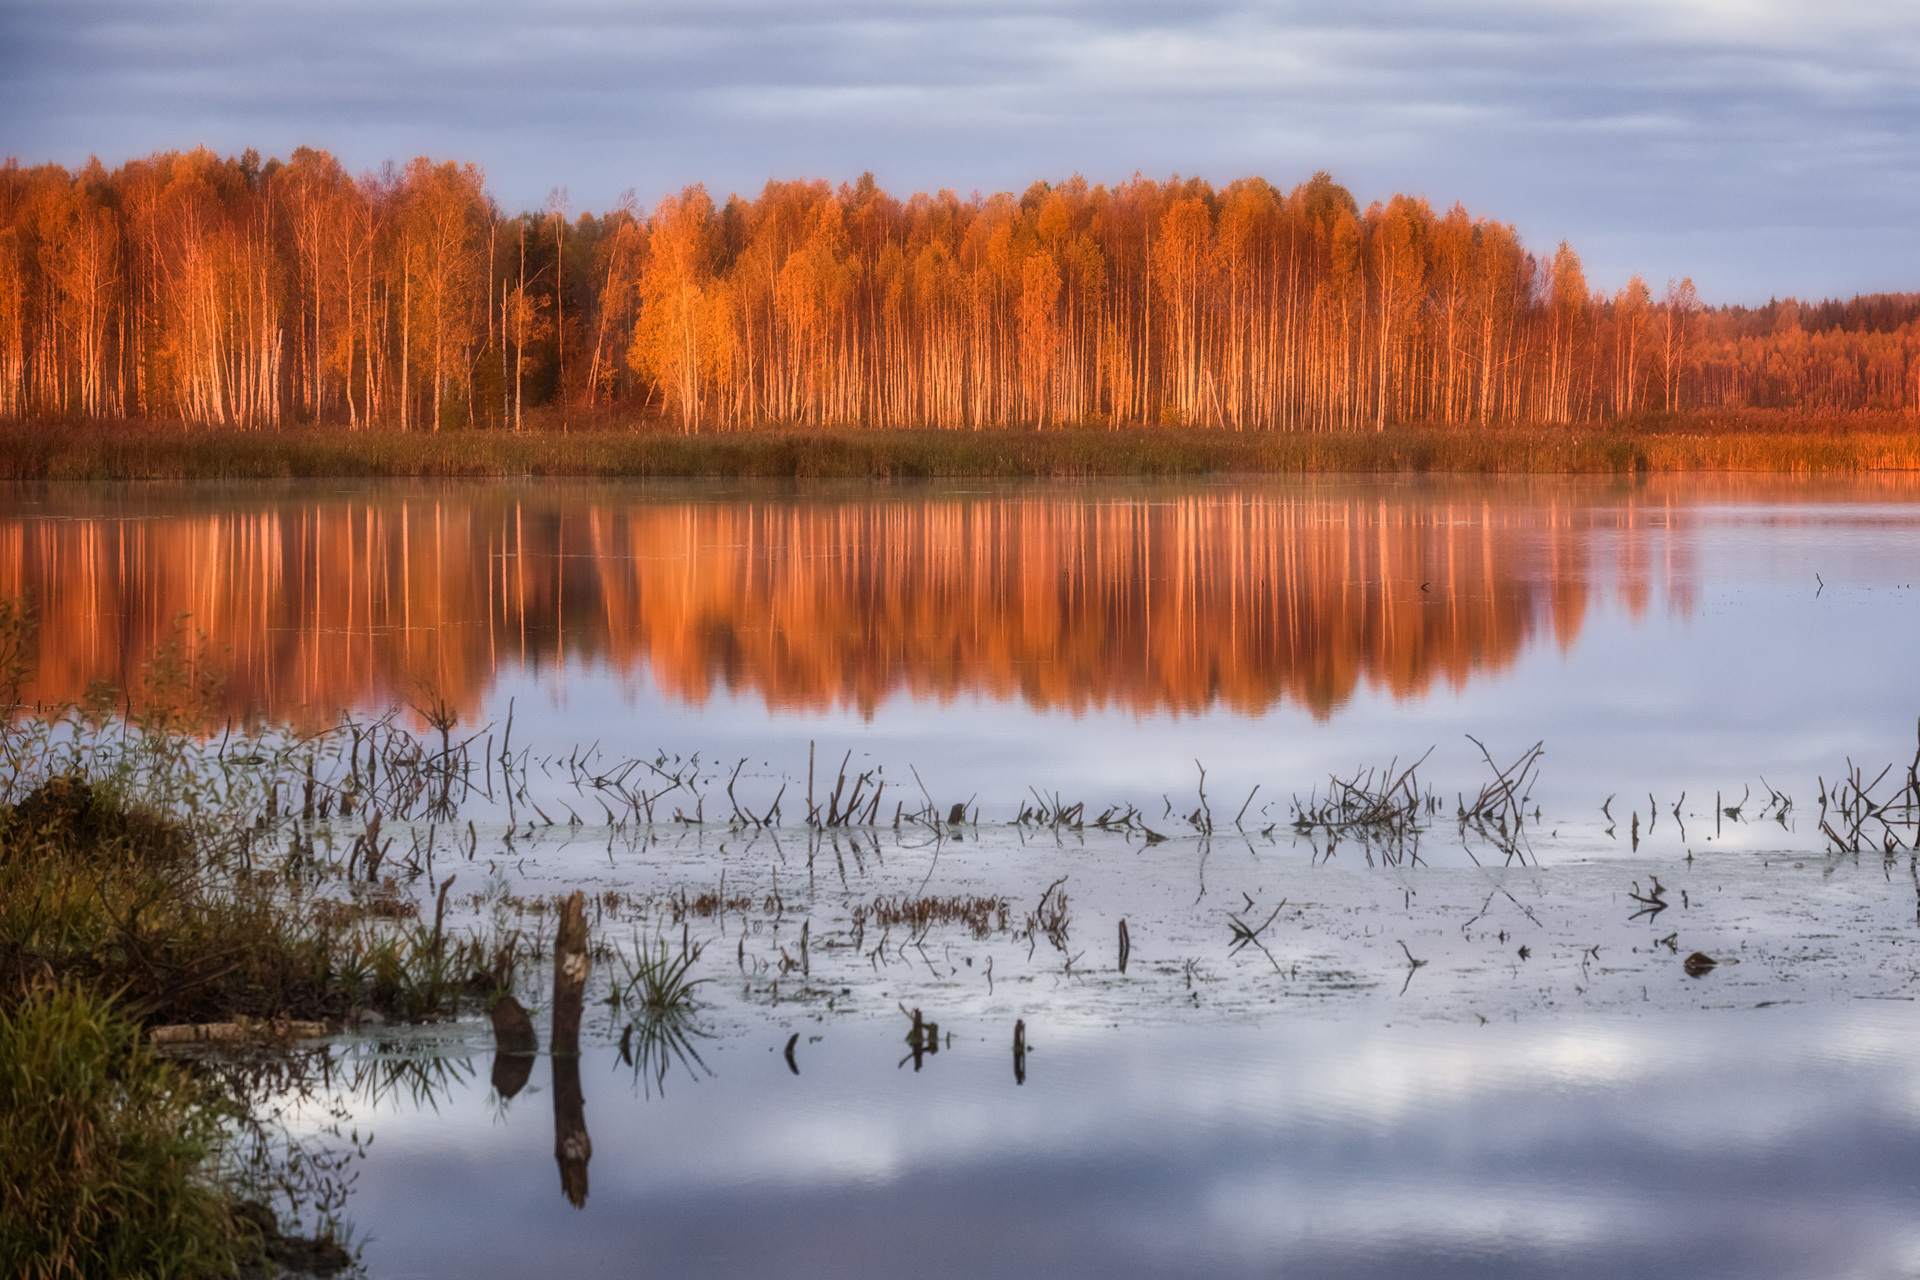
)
(226, 291)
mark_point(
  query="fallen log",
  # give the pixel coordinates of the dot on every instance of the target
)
(239, 1030)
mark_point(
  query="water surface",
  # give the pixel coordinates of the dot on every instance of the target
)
(1777, 1142)
(1671, 634)
(1468, 1052)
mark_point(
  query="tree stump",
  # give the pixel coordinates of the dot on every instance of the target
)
(569, 976)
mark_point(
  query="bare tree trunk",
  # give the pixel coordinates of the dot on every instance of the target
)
(406, 340)
(519, 328)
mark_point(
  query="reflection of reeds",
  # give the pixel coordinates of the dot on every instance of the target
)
(384, 1074)
(653, 1046)
(277, 1156)
(1867, 818)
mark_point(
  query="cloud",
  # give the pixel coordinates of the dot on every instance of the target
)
(1760, 145)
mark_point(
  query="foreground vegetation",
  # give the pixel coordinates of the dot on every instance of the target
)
(607, 447)
(128, 867)
(104, 1148)
(132, 899)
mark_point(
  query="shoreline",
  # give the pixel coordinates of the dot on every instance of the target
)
(96, 451)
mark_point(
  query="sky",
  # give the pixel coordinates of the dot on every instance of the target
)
(1762, 147)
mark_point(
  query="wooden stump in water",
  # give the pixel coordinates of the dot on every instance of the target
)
(572, 1148)
(514, 1044)
(512, 1028)
(569, 976)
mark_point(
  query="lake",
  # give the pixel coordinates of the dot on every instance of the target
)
(1462, 1040)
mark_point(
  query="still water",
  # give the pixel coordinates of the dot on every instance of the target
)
(1475, 1054)
(1094, 639)
(1722, 1144)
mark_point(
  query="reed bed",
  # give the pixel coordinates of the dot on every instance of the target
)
(1748, 441)
(981, 914)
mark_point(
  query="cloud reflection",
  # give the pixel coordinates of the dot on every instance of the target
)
(1221, 1151)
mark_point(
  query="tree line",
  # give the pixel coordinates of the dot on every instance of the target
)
(231, 292)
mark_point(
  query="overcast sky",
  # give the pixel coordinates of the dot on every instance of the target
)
(1761, 146)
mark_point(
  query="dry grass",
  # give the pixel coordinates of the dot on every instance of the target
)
(114, 895)
(710, 902)
(1732, 441)
(388, 905)
(981, 915)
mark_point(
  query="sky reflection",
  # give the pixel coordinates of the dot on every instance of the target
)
(1310, 1146)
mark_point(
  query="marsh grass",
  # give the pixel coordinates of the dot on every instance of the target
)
(1747, 440)
(131, 895)
(981, 914)
(130, 837)
(656, 990)
(104, 1149)
(113, 895)
(651, 1046)
(99, 890)
(657, 981)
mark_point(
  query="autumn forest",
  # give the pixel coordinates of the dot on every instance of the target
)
(229, 292)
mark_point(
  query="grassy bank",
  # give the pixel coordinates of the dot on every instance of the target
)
(143, 886)
(608, 448)
(128, 859)
(104, 1149)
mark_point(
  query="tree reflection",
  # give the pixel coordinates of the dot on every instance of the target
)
(572, 1148)
(1062, 600)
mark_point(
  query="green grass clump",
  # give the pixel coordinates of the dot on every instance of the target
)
(658, 992)
(68, 815)
(658, 983)
(104, 1149)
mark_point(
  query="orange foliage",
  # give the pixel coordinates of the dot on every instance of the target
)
(231, 292)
